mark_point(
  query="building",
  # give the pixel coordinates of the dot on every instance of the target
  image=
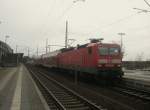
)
(4, 50)
(12, 60)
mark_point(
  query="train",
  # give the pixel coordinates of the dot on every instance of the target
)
(103, 60)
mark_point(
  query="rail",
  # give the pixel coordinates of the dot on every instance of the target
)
(61, 97)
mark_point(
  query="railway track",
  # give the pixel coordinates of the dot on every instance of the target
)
(133, 92)
(138, 84)
(60, 97)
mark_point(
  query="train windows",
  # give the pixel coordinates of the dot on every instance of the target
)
(109, 51)
(114, 51)
(90, 50)
(103, 51)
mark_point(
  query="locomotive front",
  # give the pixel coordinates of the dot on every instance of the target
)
(109, 60)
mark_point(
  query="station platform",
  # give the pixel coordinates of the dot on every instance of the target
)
(139, 75)
(18, 91)
(138, 78)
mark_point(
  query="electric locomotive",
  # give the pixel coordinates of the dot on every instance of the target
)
(96, 58)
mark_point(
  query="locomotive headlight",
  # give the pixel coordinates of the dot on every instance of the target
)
(102, 61)
(119, 65)
(116, 61)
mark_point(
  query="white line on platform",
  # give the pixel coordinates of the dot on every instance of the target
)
(16, 103)
(39, 93)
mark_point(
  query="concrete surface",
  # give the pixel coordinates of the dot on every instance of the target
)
(138, 75)
(18, 91)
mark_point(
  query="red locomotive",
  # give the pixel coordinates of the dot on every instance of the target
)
(95, 58)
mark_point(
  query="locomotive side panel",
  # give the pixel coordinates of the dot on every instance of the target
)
(84, 60)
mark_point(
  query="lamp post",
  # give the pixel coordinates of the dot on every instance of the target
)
(46, 44)
(66, 35)
(16, 48)
(66, 32)
(37, 51)
(121, 39)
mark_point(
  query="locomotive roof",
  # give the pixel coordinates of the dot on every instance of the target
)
(87, 45)
(67, 49)
(54, 53)
(110, 44)
(50, 54)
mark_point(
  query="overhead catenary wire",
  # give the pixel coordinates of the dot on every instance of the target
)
(105, 26)
(55, 22)
(147, 3)
(69, 7)
(117, 21)
(49, 14)
(63, 13)
(108, 25)
(120, 20)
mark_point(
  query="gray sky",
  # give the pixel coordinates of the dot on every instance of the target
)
(30, 22)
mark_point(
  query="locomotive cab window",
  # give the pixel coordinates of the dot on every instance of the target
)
(114, 51)
(103, 51)
(90, 50)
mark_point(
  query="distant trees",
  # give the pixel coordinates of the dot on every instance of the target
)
(140, 62)
(140, 57)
